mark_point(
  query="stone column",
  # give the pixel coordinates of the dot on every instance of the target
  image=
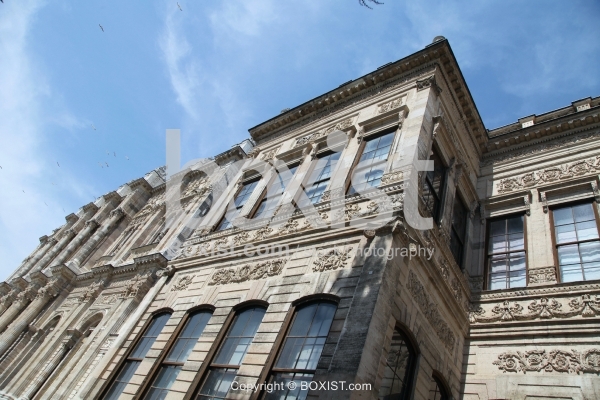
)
(21, 300)
(7, 300)
(64, 240)
(33, 260)
(73, 336)
(35, 307)
(81, 237)
(89, 246)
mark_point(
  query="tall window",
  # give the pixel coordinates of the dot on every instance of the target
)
(459, 230)
(273, 196)
(301, 350)
(372, 163)
(506, 253)
(238, 204)
(434, 186)
(321, 176)
(399, 369)
(225, 364)
(178, 355)
(136, 357)
(439, 391)
(577, 242)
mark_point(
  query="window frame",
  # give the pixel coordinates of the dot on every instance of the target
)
(555, 246)
(244, 183)
(465, 239)
(486, 269)
(202, 374)
(442, 384)
(410, 340)
(361, 149)
(325, 152)
(126, 357)
(263, 196)
(160, 361)
(444, 184)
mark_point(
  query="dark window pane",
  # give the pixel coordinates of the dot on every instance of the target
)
(150, 336)
(283, 379)
(397, 376)
(122, 379)
(217, 384)
(163, 382)
(515, 225)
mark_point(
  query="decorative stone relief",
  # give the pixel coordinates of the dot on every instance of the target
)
(195, 186)
(390, 105)
(542, 275)
(428, 82)
(248, 272)
(314, 136)
(241, 238)
(552, 174)
(543, 308)
(290, 226)
(572, 362)
(331, 260)
(262, 233)
(430, 310)
(182, 283)
(392, 177)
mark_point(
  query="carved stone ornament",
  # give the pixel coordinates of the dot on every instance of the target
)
(428, 82)
(331, 260)
(182, 283)
(429, 309)
(116, 213)
(552, 174)
(542, 275)
(392, 177)
(324, 132)
(290, 226)
(248, 272)
(262, 233)
(196, 186)
(137, 286)
(543, 308)
(390, 105)
(572, 362)
(167, 271)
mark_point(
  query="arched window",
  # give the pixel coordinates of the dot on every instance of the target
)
(301, 350)
(399, 369)
(440, 390)
(136, 356)
(178, 354)
(225, 364)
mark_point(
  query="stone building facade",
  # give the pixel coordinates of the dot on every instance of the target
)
(500, 299)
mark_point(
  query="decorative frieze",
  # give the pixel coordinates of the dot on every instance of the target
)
(543, 308)
(551, 174)
(429, 309)
(390, 105)
(392, 177)
(248, 272)
(331, 260)
(182, 283)
(571, 362)
(324, 132)
(542, 275)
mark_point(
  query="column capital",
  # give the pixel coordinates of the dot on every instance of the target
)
(91, 223)
(117, 213)
(43, 239)
(68, 233)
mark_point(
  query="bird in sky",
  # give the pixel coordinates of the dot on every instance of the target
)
(46, 204)
(127, 157)
(53, 183)
(57, 164)
(180, 9)
(106, 163)
(1, 165)
(93, 127)
(23, 191)
(115, 153)
(101, 27)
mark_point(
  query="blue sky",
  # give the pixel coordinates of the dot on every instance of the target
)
(217, 68)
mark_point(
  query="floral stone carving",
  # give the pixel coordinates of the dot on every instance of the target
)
(572, 362)
(247, 272)
(331, 260)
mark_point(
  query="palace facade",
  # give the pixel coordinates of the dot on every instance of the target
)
(500, 299)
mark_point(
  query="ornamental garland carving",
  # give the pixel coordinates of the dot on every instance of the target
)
(552, 174)
(543, 308)
(331, 260)
(572, 362)
(324, 132)
(430, 310)
(182, 283)
(248, 272)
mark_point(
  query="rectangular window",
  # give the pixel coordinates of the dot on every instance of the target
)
(273, 195)
(238, 203)
(506, 253)
(459, 230)
(577, 242)
(371, 165)
(434, 185)
(321, 175)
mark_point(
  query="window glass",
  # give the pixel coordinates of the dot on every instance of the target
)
(372, 163)
(398, 373)
(459, 230)
(433, 185)
(239, 202)
(506, 253)
(321, 176)
(273, 196)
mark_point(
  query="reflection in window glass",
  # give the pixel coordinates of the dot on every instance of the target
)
(225, 364)
(301, 350)
(506, 253)
(137, 355)
(273, 196)
(321, 176)
(239, 202)
(399, 368)
(577, 242)
(372, 163)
